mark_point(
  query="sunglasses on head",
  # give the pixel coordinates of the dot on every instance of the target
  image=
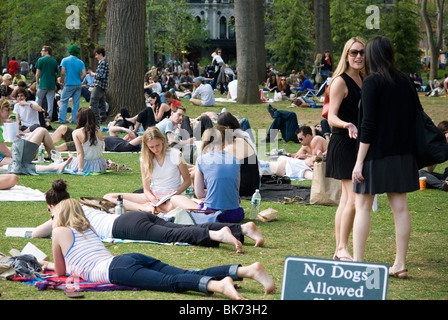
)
(354, 53)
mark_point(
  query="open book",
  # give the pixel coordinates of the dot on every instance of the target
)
(163, 200)
(19, 232)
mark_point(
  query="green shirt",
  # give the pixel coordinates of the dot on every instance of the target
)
(48, 69)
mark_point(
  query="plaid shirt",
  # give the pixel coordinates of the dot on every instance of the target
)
(102, 74)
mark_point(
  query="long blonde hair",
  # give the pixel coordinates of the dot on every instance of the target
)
(343, 64)
(4, 104)
(216, 138)
(70, 214)
(147, 157)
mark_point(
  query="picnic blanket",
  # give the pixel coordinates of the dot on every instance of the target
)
(117, 241)
(51, 281)
(283, 193)
(21, 193)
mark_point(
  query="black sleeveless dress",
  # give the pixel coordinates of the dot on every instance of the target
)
(342, 150)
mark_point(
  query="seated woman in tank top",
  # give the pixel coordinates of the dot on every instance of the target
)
(89, 144)
(164, 171)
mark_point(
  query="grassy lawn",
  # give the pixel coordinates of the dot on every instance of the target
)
(302, 230)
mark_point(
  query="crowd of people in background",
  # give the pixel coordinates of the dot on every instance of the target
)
(227, 165)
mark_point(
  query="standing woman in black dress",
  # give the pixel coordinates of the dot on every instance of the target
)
(345, 94)
(386, 157)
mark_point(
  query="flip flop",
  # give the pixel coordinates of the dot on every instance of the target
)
(72, 293)
(402, 274)
(343, 258)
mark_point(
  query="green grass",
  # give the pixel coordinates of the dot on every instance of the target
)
(302, 230)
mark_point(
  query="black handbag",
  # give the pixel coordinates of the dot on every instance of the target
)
(431, 144)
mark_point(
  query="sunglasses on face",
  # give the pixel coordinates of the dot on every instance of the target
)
(300, 139)
(354, 53)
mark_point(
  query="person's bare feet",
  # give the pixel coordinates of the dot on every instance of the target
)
(257, 272)
(61, 167)
(224, 235)
(225, 287)
(250, 230)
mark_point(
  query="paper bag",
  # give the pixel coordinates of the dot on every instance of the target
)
(324, 191)
(10, 131)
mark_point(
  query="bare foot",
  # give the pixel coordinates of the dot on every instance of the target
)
(224, 235)
(61, 167)
(250, 229)
(225, 287)
(257, 272)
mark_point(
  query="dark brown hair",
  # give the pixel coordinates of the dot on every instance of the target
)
(57, 193)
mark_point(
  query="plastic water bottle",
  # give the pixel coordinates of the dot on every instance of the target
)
(255, 205)
(190, 191)
(119, 208)
(40, 155)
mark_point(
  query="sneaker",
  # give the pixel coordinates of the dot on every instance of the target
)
(271, 110)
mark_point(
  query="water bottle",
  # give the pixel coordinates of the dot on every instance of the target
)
(255, 205)
(119, 208)
(190, 191)
(40, 155)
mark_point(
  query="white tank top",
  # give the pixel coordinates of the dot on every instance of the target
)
(88, 258)
(167, 177)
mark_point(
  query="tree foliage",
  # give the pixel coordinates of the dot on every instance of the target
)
(289, 43)
(399, 22)
(173, 28)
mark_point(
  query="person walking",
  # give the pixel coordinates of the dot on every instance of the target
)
(100, 83)
(46, 77)
(73, 71)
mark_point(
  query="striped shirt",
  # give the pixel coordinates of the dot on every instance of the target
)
(88, 258)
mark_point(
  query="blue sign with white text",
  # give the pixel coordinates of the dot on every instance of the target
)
(322, 279)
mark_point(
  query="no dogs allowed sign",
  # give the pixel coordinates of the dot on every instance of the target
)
(321, 279)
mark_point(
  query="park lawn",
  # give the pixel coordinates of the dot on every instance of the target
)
(302, 230)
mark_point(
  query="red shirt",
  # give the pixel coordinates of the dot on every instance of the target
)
(13, 65)
(176, 103)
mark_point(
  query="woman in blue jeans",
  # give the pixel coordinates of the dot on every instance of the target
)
(78, 251)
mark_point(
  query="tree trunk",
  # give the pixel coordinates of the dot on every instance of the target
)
(125, 51)
(434, 44)
(94, 22)
(248, 38)
(323, 26)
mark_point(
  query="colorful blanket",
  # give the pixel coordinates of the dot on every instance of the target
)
(50, 281)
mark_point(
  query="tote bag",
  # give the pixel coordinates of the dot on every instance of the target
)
(431, 145)
(324, 191)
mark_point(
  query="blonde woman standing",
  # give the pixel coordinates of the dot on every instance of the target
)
(345, 94)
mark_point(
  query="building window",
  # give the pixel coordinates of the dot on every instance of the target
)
(231, 28)
(223, 28)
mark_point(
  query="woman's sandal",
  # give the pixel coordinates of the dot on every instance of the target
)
(402, 274)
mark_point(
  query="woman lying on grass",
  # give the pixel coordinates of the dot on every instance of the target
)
(78, 251)
(139, 225)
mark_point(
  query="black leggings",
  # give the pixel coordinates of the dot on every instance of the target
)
(139, 225)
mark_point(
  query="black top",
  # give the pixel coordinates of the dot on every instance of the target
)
(117, 144)
(146, 118)
(349, 109)
(387, 117)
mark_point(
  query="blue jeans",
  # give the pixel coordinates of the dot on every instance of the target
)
(49, 94)
(144, 272)
(286, 122)
(67, 93)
